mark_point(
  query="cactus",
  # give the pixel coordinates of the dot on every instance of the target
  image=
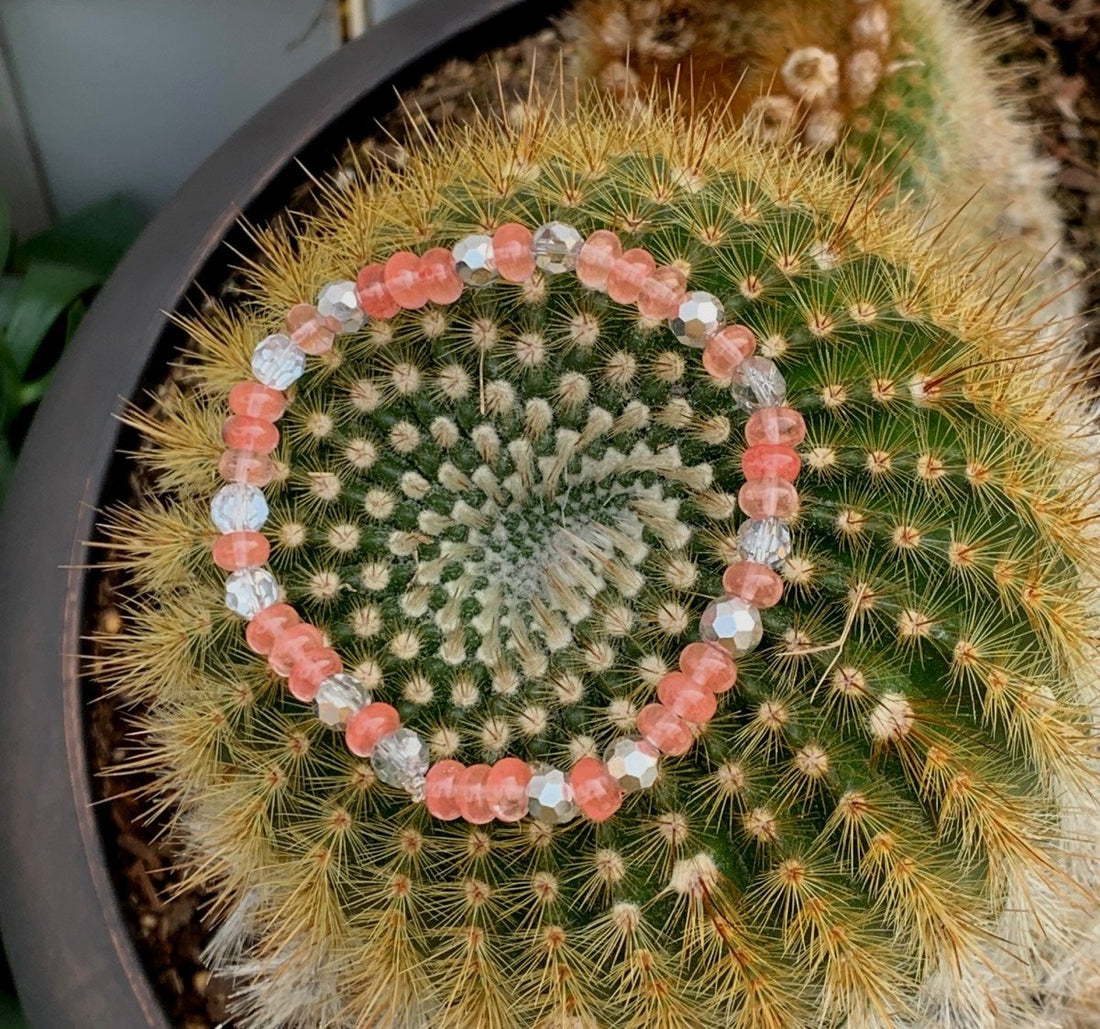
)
(888, 822)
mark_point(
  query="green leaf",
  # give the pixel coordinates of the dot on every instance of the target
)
(5, 231)
(92, 239)
(9, 289)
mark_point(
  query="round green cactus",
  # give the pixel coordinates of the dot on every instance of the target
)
(508, 515)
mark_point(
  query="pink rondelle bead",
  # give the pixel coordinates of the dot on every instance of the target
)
(661, 293)
(597, 257)
(257, 401)
(692, 701)
(775, 425)
(629, 272)
(472, 794)
(311, 330)
(595, 791)
(242, 432)
(665, 729)
(512, 252)
(268, 625)
(240, 550)
(246, 466)
(768, 498)
(771, 460)
(754, 583)
(439, 789)
(726, 349)
(507, 787)
(291, 644)
(314, 666)
(374, 298)
(710, 665)
(401, 274)
(368, 725)
(438, 277)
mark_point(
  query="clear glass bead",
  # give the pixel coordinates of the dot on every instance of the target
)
(700, 315)
(249, 590)
(475, 261)
(278, 361)
(550, 795)
(633, 763)
(238, 507)
(401, 759)
(555, 247)
(766, 541)
(339, 697)
(758, 383)
(732, 622)
(340, 300)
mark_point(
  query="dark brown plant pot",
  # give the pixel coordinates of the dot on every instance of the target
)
(74, 961)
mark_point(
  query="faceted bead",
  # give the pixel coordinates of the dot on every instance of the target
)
(628, 274)
(726, 349)
(438, 276)
(507, 788)
(249, 590)
(710, 665)
(240, 550)
(401, 274)
(243, 432)
(597, 257)
(313, 332)
(472, 794)
(556, 246)
(257, 401)
(339, 697)
(596, 792)
(512, 251)
(550, 795)
(662, 293)
(633, 763)
(373, 296)
(699, 316)
(291, 644)
(340, 300)
(278, 361)
(754, 583)
(733, 623)
(368, 725)
(314, 666)
(401, 759)
(767, 498)
(771, 460)
(690, 700)
(758, 383)
(775, 425)
(268, 626)
(440, 796)
(665, 729)
(475, 261)
(245, 467)
(765, 540)
(239, 506)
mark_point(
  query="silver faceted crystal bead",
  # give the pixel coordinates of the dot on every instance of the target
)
(766, 541)
(249, 590)
(401, 759)
(475, 261)
(555, 247)
(733, 623)
(633, 763)
(239, 506)
(278, 361)
(758, 383)
(550, 795)
(700, 315)
(340, 300)
(339, 697)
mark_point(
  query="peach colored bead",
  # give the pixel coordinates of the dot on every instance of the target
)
(291, 644)
(689, 699)
(267, 626)
(596, 793)
(374, 298)
(624, 281)
(767, 460)
(257, 401)
(311, 330)
(243, 432)
(507, 786)
(775, 425)
(240, 550)
(401, 274)
(665, 729)
(726, 349)
(314, 666)
(754, 583)
(767, 498)
(597, 257)
(662, 292)
(439, 789)
(472, 794)
(246, 466)
(710, 665)
(368, 725)
(438, 277)
(512, 251)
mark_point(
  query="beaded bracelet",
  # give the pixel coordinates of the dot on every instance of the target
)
(730, 626)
